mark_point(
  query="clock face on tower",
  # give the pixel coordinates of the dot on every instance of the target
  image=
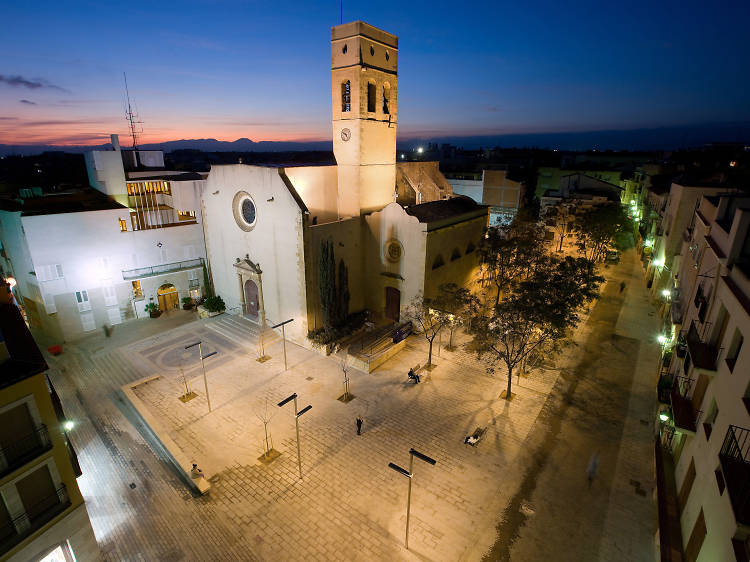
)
(346, 134)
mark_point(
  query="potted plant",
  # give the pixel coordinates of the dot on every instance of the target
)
(153, 310)
(187, 303)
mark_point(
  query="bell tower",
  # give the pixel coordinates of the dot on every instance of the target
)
(364, 84)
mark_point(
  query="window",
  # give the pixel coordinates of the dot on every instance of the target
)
(123, 225)
(470, 248)
(696, 539)
(186, 215)
(438, 262)
(82, 298)
(720, 479)
(114, 316)
(687, 485)
(49, 272)
(708, 425)
(371, 97)
(456, 254)
(193, 278)
(346, 96)
(87, 321)
(137, 291)
(49, 302)
(734, 349)
(386, 98)
(110, 297)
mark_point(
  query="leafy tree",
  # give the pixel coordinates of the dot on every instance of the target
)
(509, 253)
(562, 221)
(537, 313)
(596, 229)
(429, 319)
(456, 302)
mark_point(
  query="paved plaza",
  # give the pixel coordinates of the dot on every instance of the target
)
(521, 494)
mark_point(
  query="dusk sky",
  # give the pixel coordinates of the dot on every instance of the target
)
(261, 70)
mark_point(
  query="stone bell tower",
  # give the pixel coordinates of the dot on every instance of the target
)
(364, 84)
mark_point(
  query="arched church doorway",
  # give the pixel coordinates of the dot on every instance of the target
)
(392, 303)
(251, 298)
(167, 295)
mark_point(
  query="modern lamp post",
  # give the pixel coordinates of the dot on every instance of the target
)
(199, 343)
(283, 336)
(296, 424)
(410, 475)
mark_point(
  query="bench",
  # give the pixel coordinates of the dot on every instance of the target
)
(475, 437)
(416, 370)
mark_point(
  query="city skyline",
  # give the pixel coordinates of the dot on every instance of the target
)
(252, 72)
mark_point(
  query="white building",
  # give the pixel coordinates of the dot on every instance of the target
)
(503, 195)
(265, 225)
(96, 257)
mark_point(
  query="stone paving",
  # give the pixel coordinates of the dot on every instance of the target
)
(349, 505)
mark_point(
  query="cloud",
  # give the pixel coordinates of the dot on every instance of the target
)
(8, 118)
(29, 83)
(28, 102)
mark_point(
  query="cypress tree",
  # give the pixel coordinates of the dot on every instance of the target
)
(327, 283)
(343, 293)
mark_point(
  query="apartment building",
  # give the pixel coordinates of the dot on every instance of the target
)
(704, 389)
(42, 514)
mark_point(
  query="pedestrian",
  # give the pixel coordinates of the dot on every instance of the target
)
(359, 425)
(197, 472)
(592, 468)
(622, 286)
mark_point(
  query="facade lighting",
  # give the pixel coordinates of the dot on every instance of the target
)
(662, 339)
(666, 293)
(664, 417)
(68, 425)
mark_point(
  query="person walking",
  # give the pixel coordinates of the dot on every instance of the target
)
(592, 468)
(359, 425)
(622, 286)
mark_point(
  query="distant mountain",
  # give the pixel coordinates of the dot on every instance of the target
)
(661, 138)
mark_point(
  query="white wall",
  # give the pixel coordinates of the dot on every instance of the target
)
(275, 243)
(106, 173)
(469, 188)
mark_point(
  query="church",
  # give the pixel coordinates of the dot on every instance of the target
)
(396, 226)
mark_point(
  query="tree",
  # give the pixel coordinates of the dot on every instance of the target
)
(509, 253)
(334, 298)
(562, 221)
(430, 320)
(596, 229)
(537, 313)
(342, 294)
(455, 301)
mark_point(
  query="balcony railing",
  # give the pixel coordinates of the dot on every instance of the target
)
(23, 449)
(35, 516)
(142, 272)
(703, 355)
(735, 464)
(194, 283)
(684, 414)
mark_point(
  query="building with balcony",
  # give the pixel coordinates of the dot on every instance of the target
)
(42, 512)
(705, 423)
(95, 258)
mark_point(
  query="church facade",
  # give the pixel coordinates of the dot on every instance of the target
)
(265, 225)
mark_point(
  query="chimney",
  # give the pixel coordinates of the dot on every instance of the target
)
(115, 142)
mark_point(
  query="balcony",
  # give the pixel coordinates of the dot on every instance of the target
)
(685, 415)
(14, 531)
(141, 272)
(23, 449)
(702, 355)
(735, 464)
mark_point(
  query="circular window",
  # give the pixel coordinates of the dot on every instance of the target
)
(344, 49)
(372, 51)
(393, 251)
(245, 212)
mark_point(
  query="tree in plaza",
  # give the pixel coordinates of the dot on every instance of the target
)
(561, 217)
(334, 297)
(430, 320)
(455, 301)
(536, 313)
(596, 229)
(508, 253)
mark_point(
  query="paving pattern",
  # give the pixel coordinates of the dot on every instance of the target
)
(349, 505)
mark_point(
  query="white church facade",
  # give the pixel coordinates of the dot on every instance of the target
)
(264, 226)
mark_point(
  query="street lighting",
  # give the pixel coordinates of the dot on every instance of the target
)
(662, 339)
(296, 424)
(666, 293)
(199, 343)
(283, 335)
(410, 475)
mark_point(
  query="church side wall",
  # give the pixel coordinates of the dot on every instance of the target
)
(316, 185)
(275, 243)
(348, 246)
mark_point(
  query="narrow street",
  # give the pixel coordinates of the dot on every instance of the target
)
(602, 403)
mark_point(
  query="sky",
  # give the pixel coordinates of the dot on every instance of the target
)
(261, 70)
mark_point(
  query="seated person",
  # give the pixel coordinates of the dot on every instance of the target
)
(413, 375)
(471, 440)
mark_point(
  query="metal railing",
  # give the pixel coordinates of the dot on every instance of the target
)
(735, 464)
(17, 529)
(24, 449)
(194, 283)
(704, 355)
(140, 272)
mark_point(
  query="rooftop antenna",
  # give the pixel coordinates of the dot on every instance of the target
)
(131, 117)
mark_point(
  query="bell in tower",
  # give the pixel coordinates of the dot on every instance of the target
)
(364, 85)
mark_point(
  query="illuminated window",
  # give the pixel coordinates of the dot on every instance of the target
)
(186, 215)
(371, 97)
(137, 291)
(123, 225)
(167, 188)
(346, 96)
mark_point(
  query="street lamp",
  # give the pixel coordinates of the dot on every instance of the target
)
(666, 293)
(410, 475)
(199, 343)
(283, 335)
(296, 424)
(662, 339)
